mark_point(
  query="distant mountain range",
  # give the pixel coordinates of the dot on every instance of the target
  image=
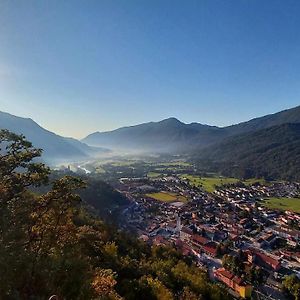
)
(267, 146)
(271, 153)
(171, 135)
(57, 149)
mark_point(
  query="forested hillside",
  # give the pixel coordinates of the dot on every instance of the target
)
(273, 153)
(49, 244)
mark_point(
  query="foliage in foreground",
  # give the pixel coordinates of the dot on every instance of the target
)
(291, 285)
(50, 245)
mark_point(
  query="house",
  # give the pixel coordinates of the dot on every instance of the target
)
(160, 241)
(234, 282)
(171, 227)
(287, 233)
(199, 240)
(210, 249)
(263, 260)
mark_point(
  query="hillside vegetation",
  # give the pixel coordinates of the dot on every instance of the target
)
(272, 153)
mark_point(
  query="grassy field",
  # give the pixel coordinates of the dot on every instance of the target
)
(100, 170)
(283, 204)
(122, 163)
(153, 174)
(174, 164)
(254, 180)
(209, 183)
(166, 197)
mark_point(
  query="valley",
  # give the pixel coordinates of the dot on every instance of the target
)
(150, 150)
(208, 217)
(230, 208)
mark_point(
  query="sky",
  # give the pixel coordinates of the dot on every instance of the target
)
(76, 67)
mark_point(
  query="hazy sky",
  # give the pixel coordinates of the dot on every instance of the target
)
(80, 66)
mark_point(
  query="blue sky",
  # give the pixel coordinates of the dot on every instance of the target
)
(80, 66)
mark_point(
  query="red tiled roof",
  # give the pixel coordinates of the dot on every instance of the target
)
(211, 248)
(200, 239)
(237, 280)
(224, 273)
(274, 263)
(158, 240)
(234, 237)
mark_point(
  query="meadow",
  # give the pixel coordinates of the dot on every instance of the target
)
(154, 174)
(292, 204)
(209, 184)
(166, 197)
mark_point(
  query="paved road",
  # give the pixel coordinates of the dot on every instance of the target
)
(211, 263)
(268, 292)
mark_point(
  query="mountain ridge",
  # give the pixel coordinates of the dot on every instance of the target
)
(272, 153)
(172, 133)
(170, 136)
(56, 149)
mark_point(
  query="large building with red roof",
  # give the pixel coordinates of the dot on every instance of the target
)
(234, 282)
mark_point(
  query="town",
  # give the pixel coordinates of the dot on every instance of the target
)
(230, 232)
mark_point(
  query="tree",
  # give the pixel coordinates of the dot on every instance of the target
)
(256, 275)
(291, 284)
(187, 294)
(233, 263)
(39, 250)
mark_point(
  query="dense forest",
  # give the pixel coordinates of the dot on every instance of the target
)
(51, 245)
(272, 153)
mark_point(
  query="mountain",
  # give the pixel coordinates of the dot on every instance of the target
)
(272, 153)
(57, 149)
(291, 115)
(171, 135)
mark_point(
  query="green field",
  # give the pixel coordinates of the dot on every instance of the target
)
(254, 180)
(122, 163)
(174, 164)
(208, 183)
(166, 197)
(99, 170)
(283, 203)
(153, 174)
